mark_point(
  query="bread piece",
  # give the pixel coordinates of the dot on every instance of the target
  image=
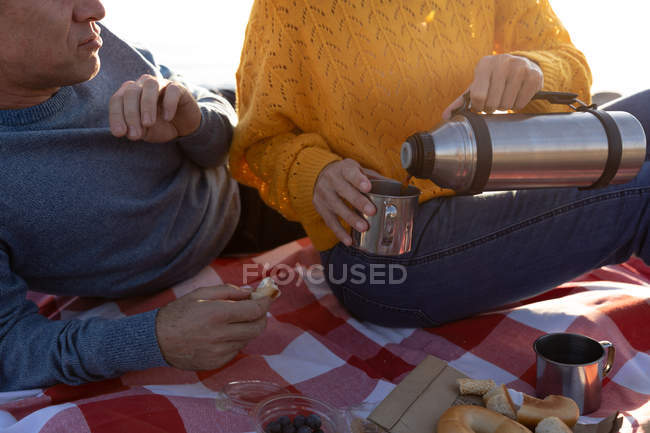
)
(502, 405)
(499, 401)
(475, 387)
(533, 410)
(552, 424)
(267, 287)
(494, 391)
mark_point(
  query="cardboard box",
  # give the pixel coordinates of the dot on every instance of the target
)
(417, 403)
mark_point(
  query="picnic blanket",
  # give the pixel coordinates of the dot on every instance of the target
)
(312, 346)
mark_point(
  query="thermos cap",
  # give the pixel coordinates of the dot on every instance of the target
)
(418, 155)
(407, 155)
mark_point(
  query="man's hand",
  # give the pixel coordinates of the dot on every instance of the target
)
(206, 328)
(340, 182)
(154, 110)
(501, 82)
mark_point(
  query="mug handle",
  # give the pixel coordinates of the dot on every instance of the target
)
(611, 353)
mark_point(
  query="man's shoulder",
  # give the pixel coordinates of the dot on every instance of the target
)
(120, 62)
(113, 42)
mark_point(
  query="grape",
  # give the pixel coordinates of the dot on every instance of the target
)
(289, 428)
(313, 421)
(299, 420)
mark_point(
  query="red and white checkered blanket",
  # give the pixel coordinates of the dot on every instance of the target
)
(312, 346)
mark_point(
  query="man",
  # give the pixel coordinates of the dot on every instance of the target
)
(110, 187)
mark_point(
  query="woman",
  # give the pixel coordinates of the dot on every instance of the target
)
(329, 90)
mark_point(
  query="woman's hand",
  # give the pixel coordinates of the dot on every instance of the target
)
(501, 82)
(338, 183)
(154, 110)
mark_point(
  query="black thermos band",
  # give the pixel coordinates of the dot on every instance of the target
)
(615, 148)
(483, 152)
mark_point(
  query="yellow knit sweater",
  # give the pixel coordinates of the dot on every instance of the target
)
(323, 80)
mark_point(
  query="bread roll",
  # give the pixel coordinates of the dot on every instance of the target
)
(533, 410)
(475, 419)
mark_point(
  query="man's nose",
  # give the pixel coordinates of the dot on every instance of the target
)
(89, 10)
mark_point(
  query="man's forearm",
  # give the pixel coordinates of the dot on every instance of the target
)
(37, 352)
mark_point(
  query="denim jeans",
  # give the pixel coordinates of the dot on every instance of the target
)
(476, 253)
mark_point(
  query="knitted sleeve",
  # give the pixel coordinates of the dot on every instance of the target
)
(530, 28)
(208, 146)
(36, 352)
(276, 146)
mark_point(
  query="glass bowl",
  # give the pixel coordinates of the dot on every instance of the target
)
(243, 395)
(293, 404)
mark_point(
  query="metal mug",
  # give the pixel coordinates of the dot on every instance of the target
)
(391, 227)
(573, 365)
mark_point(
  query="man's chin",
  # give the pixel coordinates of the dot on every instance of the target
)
(83, 73)
(96, 68)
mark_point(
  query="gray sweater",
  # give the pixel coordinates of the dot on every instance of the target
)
(84, 213)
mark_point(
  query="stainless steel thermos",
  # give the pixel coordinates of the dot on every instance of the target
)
(471, 153)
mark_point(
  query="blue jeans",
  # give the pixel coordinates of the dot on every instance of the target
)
(475, 253)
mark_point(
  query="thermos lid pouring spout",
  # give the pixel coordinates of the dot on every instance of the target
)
(407, 155)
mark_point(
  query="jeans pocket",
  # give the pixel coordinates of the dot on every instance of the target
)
(378, 313)
(368, 257)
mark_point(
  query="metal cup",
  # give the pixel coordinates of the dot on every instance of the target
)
(391, 227)
(573, 365)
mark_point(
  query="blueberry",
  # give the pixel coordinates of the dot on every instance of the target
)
(274, 427)
(313, 421)
(289, 428)
(284, 420)
(304, 429)
(299, 420)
